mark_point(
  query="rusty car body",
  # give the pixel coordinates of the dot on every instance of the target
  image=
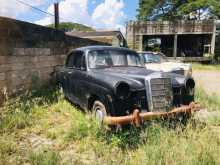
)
(114, 84)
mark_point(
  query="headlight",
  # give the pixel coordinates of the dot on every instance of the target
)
(122, 90)
(190, 85)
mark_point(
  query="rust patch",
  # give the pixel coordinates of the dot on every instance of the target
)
(136, 118)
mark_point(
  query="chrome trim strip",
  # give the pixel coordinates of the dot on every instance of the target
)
(149, 94)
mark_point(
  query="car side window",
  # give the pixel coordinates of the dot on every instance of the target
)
(76, 60)
(70, 61)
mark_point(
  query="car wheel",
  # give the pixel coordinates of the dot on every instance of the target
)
(99, 111)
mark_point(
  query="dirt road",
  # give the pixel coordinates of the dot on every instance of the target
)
(208, 80)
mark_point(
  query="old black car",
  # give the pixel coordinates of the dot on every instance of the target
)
(113, 81)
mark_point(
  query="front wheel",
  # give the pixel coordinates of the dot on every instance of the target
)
(99, 111)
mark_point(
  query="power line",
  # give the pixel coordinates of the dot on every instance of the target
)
(40, 10)
(33, 7)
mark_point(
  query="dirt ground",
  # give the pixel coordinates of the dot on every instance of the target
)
(208, 80)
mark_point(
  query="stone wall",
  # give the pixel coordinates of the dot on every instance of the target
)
(29, 52)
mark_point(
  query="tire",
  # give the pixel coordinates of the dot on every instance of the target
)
(99, 111)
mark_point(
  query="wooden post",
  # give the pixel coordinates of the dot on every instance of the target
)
(213, 39)
(56, 13)
(175, 46)
(141, 43)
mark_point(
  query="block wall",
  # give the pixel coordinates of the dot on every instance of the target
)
(29, 52)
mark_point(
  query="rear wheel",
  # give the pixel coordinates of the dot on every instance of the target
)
(99, 111)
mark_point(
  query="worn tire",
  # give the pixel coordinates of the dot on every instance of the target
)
(99, 111)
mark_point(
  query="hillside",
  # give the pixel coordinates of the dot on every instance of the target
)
(68, 26)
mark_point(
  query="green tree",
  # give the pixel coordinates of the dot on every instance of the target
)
(68, 26)
(178, 9)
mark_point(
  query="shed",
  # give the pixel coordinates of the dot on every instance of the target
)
(187, 40)
(115, 38)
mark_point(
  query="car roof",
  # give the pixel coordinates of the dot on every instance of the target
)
(101, 47)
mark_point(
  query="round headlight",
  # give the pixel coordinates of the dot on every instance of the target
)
(190, 85)
(122, 90)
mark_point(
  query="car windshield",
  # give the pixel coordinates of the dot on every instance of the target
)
(154, 58)
(113, 58)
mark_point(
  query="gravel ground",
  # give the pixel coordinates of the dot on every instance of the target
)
(208, 80)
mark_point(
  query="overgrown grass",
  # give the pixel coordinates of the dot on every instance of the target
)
(211, 102)
(73, 137)
(198, 66)
(44, 157)
(19, 113)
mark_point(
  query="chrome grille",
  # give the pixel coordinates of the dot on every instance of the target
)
(161, 94)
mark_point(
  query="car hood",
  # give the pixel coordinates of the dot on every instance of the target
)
(134, 76)
(167, 66)
(134, 72)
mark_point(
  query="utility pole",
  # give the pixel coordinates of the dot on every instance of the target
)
(56, 14)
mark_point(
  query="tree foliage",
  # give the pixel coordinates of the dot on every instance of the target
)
(68, 26)
(178, 9)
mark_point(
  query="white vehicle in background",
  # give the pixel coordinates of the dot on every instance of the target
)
(159, 62)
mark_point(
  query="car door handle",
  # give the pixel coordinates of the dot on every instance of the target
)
(70, 72)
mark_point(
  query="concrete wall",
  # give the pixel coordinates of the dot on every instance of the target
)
(29, 52)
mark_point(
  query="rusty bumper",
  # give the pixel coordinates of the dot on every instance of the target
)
(137, 118)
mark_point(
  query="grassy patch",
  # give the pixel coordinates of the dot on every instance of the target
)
(189, 146)
(211, 102)
(20, 112)
(65, 135)
(198, 66)
(44, 157)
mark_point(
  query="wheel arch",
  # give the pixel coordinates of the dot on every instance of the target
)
(92, 98)
(105, 99)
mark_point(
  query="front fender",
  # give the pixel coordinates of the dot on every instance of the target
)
(104, 94)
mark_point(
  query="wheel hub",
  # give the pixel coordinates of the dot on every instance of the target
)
(99, 115)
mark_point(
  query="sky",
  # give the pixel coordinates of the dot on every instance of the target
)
(99, 14)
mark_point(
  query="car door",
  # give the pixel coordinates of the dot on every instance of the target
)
(70, 77)
(81, 79)
(66, 75)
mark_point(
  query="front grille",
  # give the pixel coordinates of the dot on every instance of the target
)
(179, 71)
(161, 94)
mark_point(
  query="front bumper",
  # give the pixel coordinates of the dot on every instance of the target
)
(137, 118)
